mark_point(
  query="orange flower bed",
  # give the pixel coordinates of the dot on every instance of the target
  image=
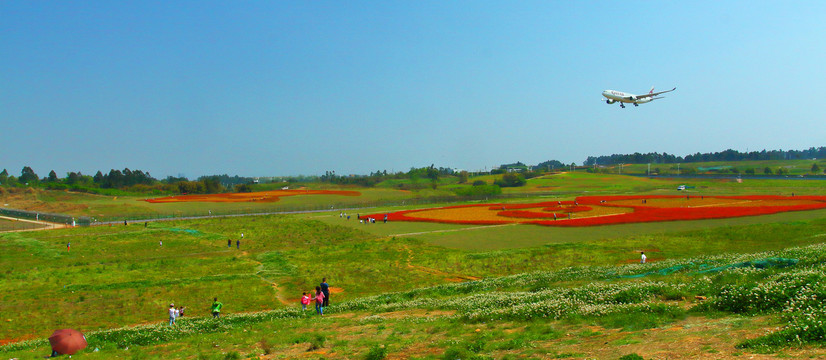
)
(262, 196)
(607, 210)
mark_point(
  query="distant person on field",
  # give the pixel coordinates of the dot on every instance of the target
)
(171, 314)
(229, 243)
(325, 289)
(642, 257)
(160, 242)
(181, 311)
(216, 308)
(305, 300)
(68, 246)
(238, 243)
(319, 301)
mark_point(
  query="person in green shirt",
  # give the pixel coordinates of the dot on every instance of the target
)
(216, 308)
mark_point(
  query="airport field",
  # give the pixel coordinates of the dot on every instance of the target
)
(424, 290)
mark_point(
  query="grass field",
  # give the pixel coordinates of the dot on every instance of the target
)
(420, 290)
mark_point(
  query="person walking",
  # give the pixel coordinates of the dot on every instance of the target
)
(642, 257)
(325, 289)
(69, 246)
(305, 300)
(216, 308)
(229, 243)
(160, 242)
(319, 301)
(238, 244)
(171, 314)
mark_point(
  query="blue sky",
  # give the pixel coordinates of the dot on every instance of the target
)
(267, 88)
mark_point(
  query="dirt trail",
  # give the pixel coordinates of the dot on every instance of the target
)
(437, 272)
(453, 230)
(47, 225)
(276, 288)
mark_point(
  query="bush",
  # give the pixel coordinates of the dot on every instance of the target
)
(317, 342)
(377, 352)
(632, 356)
(456, 353)
(511, 180)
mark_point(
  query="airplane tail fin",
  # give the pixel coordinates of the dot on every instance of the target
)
(651, 91)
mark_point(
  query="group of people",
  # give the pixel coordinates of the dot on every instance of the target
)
(321, 296)
(368, 220)
(237, 242)
(174, 313)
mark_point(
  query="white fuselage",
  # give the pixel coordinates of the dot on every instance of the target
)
(624, 97)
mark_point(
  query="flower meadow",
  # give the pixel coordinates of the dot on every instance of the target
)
(611, 210)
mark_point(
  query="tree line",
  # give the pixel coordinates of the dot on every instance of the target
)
(726, 155)
(126, 180)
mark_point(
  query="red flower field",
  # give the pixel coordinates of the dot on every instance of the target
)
(609, 210)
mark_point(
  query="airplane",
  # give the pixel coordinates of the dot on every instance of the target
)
(621, 97)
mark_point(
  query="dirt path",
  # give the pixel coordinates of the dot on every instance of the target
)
(46, 225)
(436, 272)
(276, 288)
(453, 230)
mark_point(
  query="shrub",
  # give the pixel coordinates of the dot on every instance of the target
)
(632, 356)
(317, 342)
(377, 352)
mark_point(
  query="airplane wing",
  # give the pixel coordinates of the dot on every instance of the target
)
(654, 93)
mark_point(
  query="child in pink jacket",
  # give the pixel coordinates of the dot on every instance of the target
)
(305, 300)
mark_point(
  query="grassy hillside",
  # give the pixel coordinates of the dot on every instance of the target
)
(121, 275)
(726, 306)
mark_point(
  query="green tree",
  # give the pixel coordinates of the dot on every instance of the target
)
(511, 179)
(815, 169)
(52, 176)
(4, 177)
(750, 171)
(27, 176)
(767, 170)
(72, 178)
(463, 177)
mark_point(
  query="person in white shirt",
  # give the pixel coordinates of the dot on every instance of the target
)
(642, 257)
(172, 314)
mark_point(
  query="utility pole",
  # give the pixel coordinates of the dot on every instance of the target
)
(678, 168)
(649, 169)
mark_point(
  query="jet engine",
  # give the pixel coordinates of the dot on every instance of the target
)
(610, 101)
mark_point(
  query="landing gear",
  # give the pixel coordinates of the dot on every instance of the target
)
(635, 104)
(622, 106)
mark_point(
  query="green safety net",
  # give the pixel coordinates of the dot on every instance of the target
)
(773, 262)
